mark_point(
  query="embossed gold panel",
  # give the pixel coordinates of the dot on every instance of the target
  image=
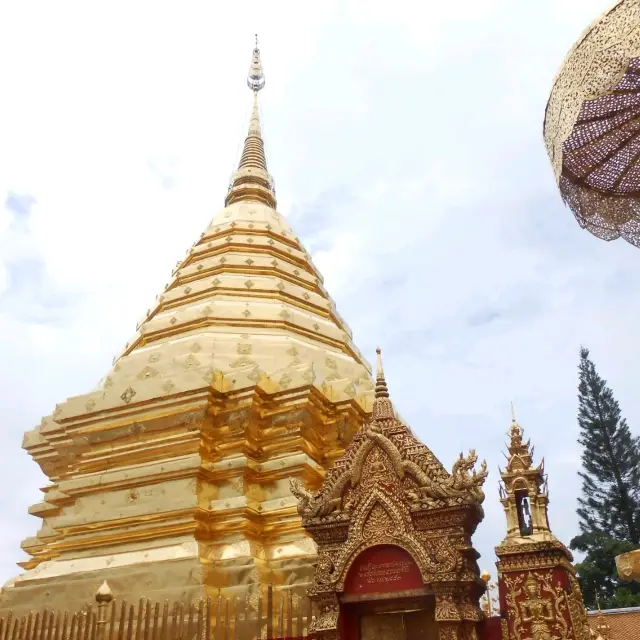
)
(409, 625)
(389, 626)
(420, 625)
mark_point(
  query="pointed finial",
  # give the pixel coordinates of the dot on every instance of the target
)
(515, 431)
(255, 80)
(379, 370)
(382, 407)
(103, 594)
(381, 383)
(252, 182)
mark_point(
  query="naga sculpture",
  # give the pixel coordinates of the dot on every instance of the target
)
(462, 485)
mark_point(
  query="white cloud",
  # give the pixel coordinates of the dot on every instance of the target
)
(407, 148)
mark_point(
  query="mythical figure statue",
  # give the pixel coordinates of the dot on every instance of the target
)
(463, 481)
(460, 484)
(537, 611)
(308, 504)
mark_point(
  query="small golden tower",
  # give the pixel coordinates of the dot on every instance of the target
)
(540, 597)
(523, 491)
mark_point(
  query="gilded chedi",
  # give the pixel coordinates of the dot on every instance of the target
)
(170, 480)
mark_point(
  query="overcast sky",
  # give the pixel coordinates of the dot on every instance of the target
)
(405, 139)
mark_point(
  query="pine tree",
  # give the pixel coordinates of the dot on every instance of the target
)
(609, 510)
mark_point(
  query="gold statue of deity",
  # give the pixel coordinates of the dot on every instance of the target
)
(537, 611)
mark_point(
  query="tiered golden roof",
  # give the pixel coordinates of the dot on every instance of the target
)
(170, 478)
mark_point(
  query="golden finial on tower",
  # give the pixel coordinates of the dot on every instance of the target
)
(251, 181)
(382, 407)
(602, 626)
(381, 383)
(515, 433)
(255, 80)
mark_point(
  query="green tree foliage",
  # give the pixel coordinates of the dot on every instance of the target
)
(609, 510)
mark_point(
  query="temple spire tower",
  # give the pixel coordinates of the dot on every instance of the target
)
(539, 594)
(170, 478)
(523, 491)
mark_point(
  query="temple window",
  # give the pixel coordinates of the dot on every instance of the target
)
(524, 513)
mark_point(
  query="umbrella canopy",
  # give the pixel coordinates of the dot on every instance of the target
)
(592, 125)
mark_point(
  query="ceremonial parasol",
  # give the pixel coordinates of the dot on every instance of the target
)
(592, 125)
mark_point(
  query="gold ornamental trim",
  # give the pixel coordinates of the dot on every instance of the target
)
(590, 128)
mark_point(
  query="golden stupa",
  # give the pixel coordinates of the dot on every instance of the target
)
(171, 479)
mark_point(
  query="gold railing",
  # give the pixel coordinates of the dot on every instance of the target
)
(282, 614)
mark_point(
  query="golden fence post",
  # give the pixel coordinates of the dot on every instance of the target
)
(138, 627)
(236, 619)
(156, 616)
(259, 613)
(87, 622)
(73, 634)
(227, 623)
(65, 620)
(290, 614)
(132, 613)
(112, 621)
(219, 617)
(281, 620)
(103, 598)
(147, 620)
(200, 623)
(270, 611)
(207, 634)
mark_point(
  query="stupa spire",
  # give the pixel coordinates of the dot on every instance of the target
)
(252, 182)
(381, 383)
(382, 407)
